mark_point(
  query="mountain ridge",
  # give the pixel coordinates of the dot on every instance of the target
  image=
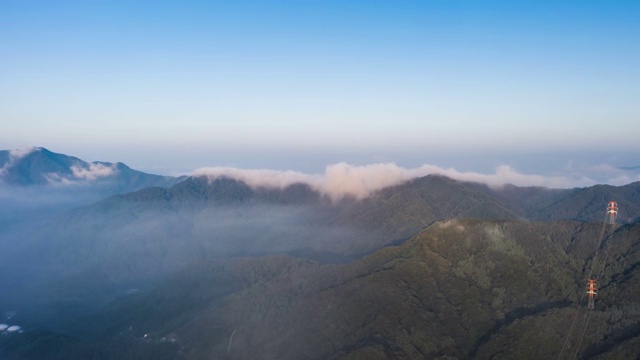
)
(460, 288)
(207, 258)
(40, 166)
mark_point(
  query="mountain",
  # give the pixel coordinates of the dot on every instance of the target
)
(144, 235)
(459, 289)
(583, 204)
(138, 238)
(211, 262)
(39, 166)
(36, 184)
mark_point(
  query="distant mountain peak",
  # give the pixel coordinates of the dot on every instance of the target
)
(40, 166)
(22, 152)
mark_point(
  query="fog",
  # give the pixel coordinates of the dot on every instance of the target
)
(64, 246)
(88, 256)
(360, 181)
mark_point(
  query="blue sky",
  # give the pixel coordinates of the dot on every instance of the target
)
(301, 84)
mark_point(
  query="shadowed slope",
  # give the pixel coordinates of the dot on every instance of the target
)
(453, 290)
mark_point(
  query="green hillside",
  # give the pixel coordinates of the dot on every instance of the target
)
(460, 289)
(430, 268)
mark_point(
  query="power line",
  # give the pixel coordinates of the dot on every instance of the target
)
(610, 218)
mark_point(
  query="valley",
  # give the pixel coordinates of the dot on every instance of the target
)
(430, 268)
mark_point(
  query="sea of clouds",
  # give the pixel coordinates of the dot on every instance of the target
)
(342, 179)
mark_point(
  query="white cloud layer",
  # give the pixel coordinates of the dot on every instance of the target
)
(343, 179)
(14, 156)
(17, 154)
(93, 172)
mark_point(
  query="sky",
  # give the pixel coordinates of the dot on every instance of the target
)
(544, 87)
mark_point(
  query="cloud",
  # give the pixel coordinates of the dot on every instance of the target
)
(15, 155)
(505, 174)
(451, 224)
(623, 179)
(614, 175)
(57, 179)
(360, 181)
(342, 179)
(94, 171)
(260, 177)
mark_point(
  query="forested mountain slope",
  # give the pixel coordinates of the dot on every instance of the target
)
(430, 268)
(459, 289)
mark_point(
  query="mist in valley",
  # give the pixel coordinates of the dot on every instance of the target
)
(319, 180)
(59, 264)
(220, 263)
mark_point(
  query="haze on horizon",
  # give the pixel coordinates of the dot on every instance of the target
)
(544, 87)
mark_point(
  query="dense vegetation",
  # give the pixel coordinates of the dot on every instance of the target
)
(433, 268)
(458, 289)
